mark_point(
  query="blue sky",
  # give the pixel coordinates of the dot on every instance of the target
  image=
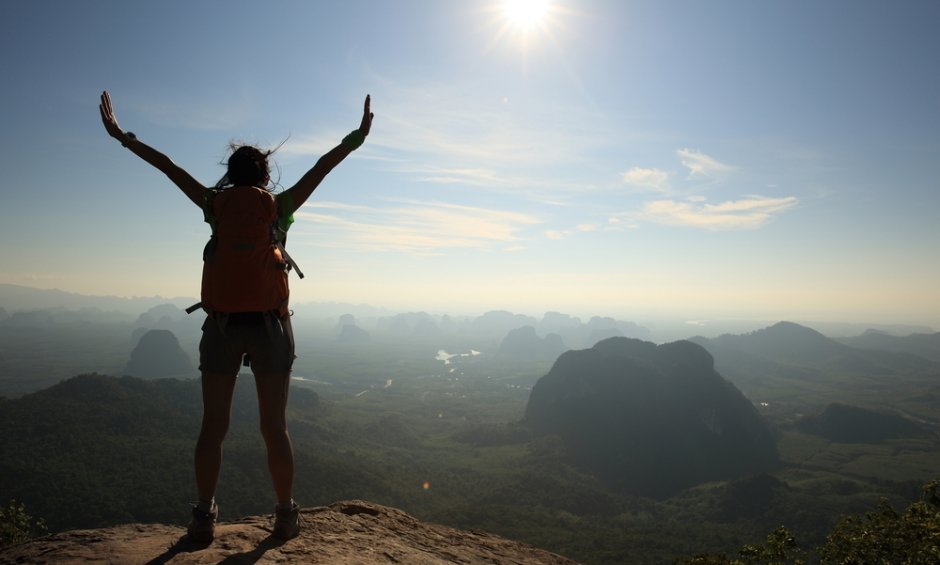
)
(770, 160)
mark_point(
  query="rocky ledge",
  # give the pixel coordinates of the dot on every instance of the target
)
(348, 532)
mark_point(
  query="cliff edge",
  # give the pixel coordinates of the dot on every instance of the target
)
(343, 533)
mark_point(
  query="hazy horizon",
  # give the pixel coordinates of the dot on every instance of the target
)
(662, 327)
(683, 160)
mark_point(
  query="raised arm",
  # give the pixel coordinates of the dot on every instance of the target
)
(300, 192)
(190, 186)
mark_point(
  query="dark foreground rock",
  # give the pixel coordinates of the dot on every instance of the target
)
(343, 533)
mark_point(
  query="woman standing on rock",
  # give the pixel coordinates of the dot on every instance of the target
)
(245, 294)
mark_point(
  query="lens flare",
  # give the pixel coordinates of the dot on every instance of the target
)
(524, 14)
(525, 24)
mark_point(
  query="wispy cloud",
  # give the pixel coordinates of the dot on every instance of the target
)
(652, 179)
(562, 234)
(700, 164)
(415, 227)
(748, 213)
(616, 224)
(455, 175)
(464, 134)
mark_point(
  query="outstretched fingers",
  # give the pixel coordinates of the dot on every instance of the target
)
(107, 116)
(104, 117)
(367, 116)
(106, 108)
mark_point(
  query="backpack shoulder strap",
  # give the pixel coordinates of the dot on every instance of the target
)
(208, 213)
(285, 212)
(208, 208)
(285, 217)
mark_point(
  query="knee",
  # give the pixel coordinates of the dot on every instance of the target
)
(273, 430)
(213, 431)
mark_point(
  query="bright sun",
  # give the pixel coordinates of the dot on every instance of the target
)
(526, 23)
(525, 15)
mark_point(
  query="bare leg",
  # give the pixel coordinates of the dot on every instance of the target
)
(272, 408)
(217, 391)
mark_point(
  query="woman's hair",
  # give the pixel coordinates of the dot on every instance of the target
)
(247, 166)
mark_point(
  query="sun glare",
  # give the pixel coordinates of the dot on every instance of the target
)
(525, 15)
(525, 24)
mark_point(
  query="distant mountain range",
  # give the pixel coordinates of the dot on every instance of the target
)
(802, 370)
(526, 344)
(650, 419)
(923, 345)
(793, 344)
(786, 343)
(16, 297)
(17, 300)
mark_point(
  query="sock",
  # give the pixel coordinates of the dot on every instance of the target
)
(206, 505)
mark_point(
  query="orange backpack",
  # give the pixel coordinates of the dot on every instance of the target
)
(245, 264)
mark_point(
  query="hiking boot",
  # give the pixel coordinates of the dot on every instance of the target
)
(286, 522)
(201, 528)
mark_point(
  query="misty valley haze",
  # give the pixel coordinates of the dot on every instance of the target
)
(582, 436)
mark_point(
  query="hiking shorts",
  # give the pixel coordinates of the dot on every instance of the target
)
(266, 339)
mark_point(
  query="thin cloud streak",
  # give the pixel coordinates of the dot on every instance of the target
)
(452, 134)
(749, 213)
(557, 235)
(414, 227)
(700, 164)
(454, 175)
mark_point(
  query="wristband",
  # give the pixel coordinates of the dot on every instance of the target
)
(354, 140)
(128, 137)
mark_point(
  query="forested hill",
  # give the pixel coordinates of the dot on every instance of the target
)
(852, 424)
(650, 419)
(96, 450)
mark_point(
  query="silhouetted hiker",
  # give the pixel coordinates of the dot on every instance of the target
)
(245, 293)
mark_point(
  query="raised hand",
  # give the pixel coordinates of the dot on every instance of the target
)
(367, 115)
(108, 119)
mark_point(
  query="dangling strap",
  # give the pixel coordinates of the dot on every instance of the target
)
(221, 318)
(279, 230)
(287, 258)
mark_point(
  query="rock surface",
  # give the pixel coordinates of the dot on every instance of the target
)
(348, 532)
